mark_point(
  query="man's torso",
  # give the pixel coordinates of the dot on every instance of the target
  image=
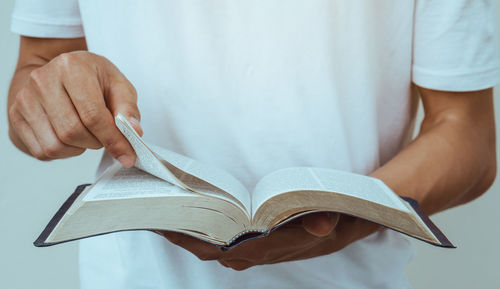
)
(251, 87)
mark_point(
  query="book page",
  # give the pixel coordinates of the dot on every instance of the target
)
(318, 179)
(183, 171)
(119, 182)
(146, 159)
(205, 178)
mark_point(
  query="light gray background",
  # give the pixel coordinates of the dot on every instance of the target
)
(31, 191)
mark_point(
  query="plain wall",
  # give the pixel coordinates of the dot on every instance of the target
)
(31, 191)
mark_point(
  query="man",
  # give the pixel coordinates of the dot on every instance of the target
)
(253, 86)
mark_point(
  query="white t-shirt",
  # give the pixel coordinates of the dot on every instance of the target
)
(254, 86)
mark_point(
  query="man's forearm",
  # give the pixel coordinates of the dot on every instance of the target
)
(453, 159)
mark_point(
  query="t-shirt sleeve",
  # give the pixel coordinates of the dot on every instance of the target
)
(47, 18)
(455, 45)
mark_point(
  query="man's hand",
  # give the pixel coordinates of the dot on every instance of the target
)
(62, 104)
(307, 237)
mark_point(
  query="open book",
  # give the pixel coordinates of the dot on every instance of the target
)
(171, 192)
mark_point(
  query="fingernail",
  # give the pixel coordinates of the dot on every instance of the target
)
(126, 161)
(137, 125)
(134, 120)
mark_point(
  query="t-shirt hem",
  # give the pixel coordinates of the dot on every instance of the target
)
(458, 81)
(37, 28)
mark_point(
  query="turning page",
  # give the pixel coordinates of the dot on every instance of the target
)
(204, 178)
(183, 171)
(146, 158)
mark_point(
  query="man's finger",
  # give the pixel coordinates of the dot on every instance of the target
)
(61, 113)
(203, 250)
(320, 224)
(25, 133)
(238, 265)
(34, 114)
(88, 99)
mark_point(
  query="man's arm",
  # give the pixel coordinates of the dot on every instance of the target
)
(453, 159)
(451, 162)
(62, 100)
